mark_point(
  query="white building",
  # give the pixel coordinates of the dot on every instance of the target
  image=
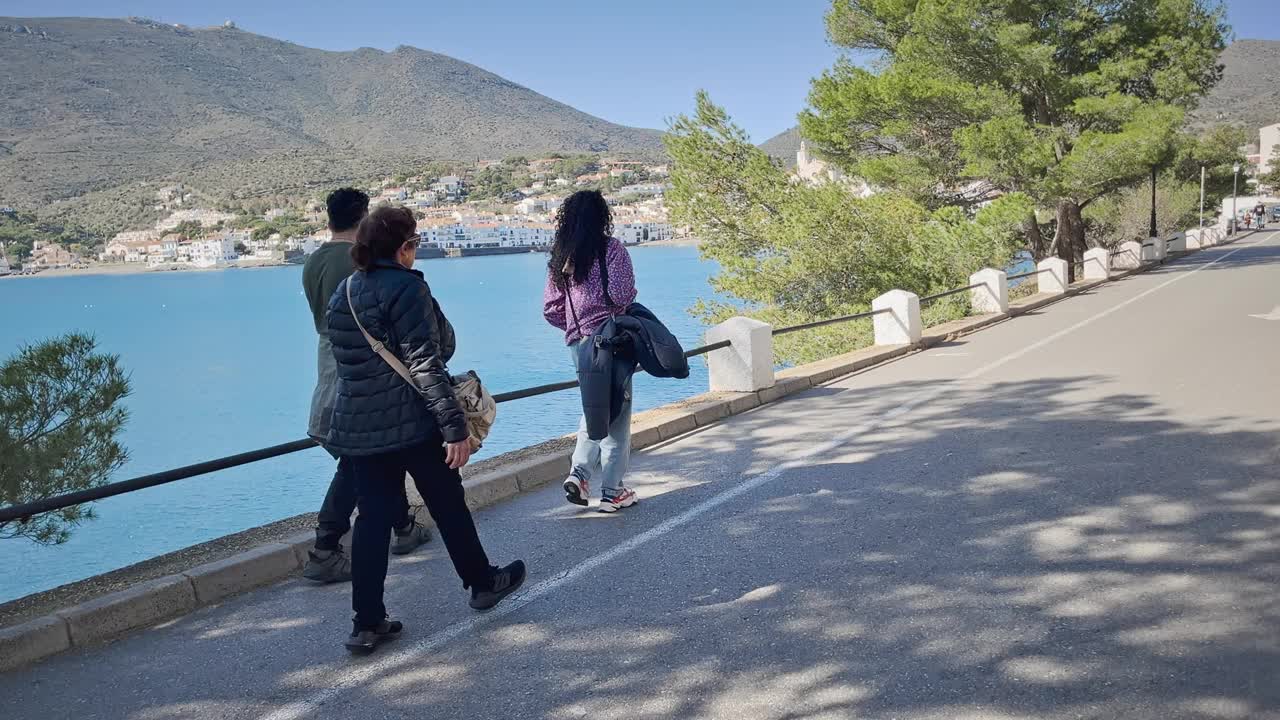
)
(1268, 142)
(5, 269)
(635, 233)
(816, 172)
(212, 252)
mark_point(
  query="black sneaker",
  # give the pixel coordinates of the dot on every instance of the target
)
(505, 581)
(577, 488)
(363, 642)
(406, 541)
(327, 566)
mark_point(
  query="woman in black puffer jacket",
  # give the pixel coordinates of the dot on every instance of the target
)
(387, 427)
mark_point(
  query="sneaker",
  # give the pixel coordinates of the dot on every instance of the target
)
(410, 538)
(327, 566)
(577, 488)
(363, 642)
(505, 581)
(624, 498)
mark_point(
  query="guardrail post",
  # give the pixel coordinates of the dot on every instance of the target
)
(1154, 250)
(1129, 257)
(993, 295)
(1097, 264)
(1177, 243)
(901, 325)
(747, 364)
(1052, 279)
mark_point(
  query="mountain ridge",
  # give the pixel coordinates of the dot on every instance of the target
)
(87, 104)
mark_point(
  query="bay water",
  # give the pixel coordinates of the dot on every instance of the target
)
(224, 361)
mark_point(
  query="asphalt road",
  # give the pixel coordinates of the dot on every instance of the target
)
(1075, 514)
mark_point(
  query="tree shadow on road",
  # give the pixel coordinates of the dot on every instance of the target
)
(1015, 550)
(1004, 550)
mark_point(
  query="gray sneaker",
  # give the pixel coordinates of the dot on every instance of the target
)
(327, 566)
(410, 538)
(363, 642)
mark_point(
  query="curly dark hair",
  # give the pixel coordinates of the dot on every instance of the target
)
(347, 207)
(584, 224)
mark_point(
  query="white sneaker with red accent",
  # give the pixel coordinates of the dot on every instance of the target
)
(625, 497)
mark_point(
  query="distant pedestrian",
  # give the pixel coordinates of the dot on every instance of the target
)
(1260, 216)
(386, 424)
(324, 270)
(591, 295)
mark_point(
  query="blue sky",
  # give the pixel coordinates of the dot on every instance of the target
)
(636, 63)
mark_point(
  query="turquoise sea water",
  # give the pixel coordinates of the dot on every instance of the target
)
(223, 362)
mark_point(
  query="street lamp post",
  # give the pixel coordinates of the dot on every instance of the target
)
(1154, 232)
(1235, 182)
(1201, 199)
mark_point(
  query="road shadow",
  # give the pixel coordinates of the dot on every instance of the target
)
(1006, 550)
(1012, 551)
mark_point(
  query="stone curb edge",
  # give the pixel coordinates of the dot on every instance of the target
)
(148, 603)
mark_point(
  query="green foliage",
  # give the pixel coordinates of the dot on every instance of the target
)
(575, 165)
(1272, 179)
(1215, 149)
(60, 414)
(19, 233)
(1064, 100)
(1126, 215)
(189, 229)
(288, 226)
(792, 253)
(497, 181)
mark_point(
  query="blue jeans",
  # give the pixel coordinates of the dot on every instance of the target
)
(605, 460)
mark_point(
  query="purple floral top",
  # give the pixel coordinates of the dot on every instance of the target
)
(586, 308)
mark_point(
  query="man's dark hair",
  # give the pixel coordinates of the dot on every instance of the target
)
(347, 207)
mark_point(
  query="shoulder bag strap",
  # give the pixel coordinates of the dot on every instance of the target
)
(377, 345)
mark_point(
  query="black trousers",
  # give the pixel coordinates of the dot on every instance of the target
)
(379, 481)
(334, 519)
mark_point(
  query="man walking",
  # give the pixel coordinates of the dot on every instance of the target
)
(327, 267)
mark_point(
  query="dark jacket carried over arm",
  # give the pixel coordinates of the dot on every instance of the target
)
(376, 411)
(610, 358)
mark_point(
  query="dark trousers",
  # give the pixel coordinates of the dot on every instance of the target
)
(379, 481)
(334, 519)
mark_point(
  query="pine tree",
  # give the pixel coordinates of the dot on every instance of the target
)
(60, 414)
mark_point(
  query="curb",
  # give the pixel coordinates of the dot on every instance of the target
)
(143, 605)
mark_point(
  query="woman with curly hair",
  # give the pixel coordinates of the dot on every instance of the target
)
(589, 281)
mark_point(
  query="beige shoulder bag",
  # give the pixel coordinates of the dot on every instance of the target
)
(477, 404)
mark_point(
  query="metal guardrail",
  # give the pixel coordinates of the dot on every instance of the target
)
(57, 502)
(28, 510)
(1020, 276)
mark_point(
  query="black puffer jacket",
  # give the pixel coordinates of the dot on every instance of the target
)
(376, 411)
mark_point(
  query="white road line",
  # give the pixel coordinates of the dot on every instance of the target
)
(353, 677)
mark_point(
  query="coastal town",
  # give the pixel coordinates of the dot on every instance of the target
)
(480, 211)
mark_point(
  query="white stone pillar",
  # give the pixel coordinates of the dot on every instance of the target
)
(1097, 264)
(1152, 250)
(1177, 243)
(1052, 279)
(993, 295)
(747, 364)
(1192, 238)
(1129, 257)
(901, 325)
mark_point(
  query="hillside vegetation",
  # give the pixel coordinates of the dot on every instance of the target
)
(94, 105)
